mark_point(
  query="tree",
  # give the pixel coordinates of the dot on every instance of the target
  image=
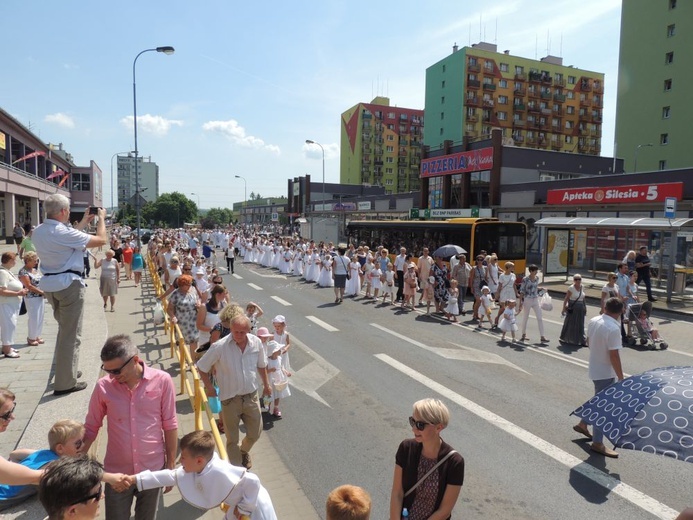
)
(170, 210)
(217, 217)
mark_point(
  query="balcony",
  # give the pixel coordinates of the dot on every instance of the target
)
(546, 111)
(473, 83)
(472, 118)
(519, 107)
(597, 87)
(596, 132)
(519, 123)
(490, 86)
(472, 101)
(377, 163)
(473, 67)
(521, 77)
(596, 118)
(532, 141)
(585, 102)
(545, 95)
(520, 92)
(532, 107)
(489, 71)
(584, 131)
(543, 143)
(585, 85)
(533, 123)
(488, 102)
(559, 82)
(416, 121)
(597, 103)
(367, 149)
(582, 148)
(535, 77)
(518, 139)
(559, 98)
(558, 112)
(366, 115)
(533, 93)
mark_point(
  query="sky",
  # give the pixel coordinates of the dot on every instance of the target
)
(249, 82)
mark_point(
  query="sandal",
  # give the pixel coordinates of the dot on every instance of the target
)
(32, 342)
(40, 340)
(524, 338)
(544, 340)
(12, 354)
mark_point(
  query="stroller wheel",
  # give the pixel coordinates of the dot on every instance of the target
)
(631, 342)
(663, 345)
(643, 341)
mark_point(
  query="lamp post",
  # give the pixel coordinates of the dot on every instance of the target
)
(635, 162)
(113, 157)
(245, 196)
(308, 141)
(198, 200)
(165, 50)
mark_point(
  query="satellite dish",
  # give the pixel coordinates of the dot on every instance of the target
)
(508, 141)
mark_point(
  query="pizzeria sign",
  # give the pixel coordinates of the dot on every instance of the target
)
(472, 161)
(617, 194)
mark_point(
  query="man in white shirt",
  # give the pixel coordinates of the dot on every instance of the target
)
(61, 249)
(237, 360)
(400, 260)
(604, 340)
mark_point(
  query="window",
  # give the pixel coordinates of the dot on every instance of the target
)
(558, 77)
(389, 160)
(502, 116)
(389, 148)
(571, 94)
(81, 182)
(443, 68)
(442, 84)
(662, 165)
(388, 170)
(389, 182)
(666, 112)
(390, 127)
(571, 80)
(442, 100)
(669, 58)
(672, 4)
(503, 83)
(664, 139)
(519, 69)
(671, 30)
(390, 137)
(441, 131)
(667, 85)
(568, 139)
(569, 125)
(504, 67)
(502, 100)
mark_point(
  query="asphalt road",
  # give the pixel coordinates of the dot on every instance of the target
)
(359, 366)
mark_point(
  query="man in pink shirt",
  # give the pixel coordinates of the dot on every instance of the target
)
(140, 403)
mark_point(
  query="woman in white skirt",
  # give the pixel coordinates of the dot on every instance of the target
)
(353, 285)
(11, 292)
(35, 304)
(325, 279)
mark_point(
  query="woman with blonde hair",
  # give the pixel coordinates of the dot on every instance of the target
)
(428, 472)
(11, 292)
(35, 305)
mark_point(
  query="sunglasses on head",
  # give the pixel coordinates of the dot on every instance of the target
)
(419, 425)
(96, 496)
(117, 371)
(6, 417)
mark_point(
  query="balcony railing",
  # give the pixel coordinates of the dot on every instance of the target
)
(520, 92)
(519, 123)
(473, 83)
(560, 98)
(474, 67)
(519, 107)
(473, 101)
(489, 86)
(521, 77)
(559, 82)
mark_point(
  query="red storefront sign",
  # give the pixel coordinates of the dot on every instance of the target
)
(616, 194)
(473, 161)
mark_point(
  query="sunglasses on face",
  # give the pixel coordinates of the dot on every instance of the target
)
(6, 417)
(96, 496)
(117, 371)
(419, 425)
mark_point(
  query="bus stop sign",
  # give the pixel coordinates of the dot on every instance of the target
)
(670, 207)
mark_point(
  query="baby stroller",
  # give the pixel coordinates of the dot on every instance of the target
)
(641, 330)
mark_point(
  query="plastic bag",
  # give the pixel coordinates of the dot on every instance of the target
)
(214, 404)
(158, 317)
(546, 302)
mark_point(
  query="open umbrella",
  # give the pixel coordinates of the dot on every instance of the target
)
(449, 250)
(650, 412)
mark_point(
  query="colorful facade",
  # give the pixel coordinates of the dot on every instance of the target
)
(536, 103)
(654, 111)
(381, 146)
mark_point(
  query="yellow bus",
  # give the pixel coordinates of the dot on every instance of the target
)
(507, 239)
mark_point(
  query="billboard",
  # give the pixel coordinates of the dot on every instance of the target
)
(473, 161)
(616, 194)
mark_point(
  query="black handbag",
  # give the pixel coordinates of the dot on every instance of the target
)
(22, 308)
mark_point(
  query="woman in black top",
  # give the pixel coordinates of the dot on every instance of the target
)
(434, 496)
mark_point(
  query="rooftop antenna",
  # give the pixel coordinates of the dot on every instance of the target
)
(561, 49)
(495, 38)
(480, 27)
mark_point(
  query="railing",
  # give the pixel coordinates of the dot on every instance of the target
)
(180, 350)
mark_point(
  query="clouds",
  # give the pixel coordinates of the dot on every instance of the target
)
(313, 151)
(237, 134)
(156, 125)
(60, 119)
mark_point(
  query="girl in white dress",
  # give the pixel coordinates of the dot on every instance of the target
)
(509, 321)
(317, 266)
(506, 288)
(297, 268)
(285, 262)
(485, 306)
(452, 309)
(282, 337)
(375, 274)
(366, 270)
(353, 285)
(278, 379)
(389, 285)
(325, 279)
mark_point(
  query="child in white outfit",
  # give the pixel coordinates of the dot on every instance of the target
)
(388, 288)
(452, 308)
(429, 293)
(486, 305)
(508, 322)
(278, 379)
(282, 337)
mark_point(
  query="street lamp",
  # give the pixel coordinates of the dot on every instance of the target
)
(635, 162)
(198, 200)
(113, 157)
(308, 141)
(165, 50)
(245, 196)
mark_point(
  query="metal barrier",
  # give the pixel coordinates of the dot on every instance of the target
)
(188, 370)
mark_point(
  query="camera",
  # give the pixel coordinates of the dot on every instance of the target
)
(94, 210)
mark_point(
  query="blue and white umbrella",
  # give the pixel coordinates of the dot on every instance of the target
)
(650, 412)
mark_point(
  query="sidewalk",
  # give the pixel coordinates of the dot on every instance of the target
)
(30, 377)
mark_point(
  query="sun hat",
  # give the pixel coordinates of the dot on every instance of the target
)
(263, 332)
(279, 318)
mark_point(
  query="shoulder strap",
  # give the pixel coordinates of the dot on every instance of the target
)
(429, 472)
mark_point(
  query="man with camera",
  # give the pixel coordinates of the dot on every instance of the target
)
(61, 250)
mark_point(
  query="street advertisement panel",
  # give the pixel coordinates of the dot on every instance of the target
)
(641, 193)
(557, 247)
(472, 161)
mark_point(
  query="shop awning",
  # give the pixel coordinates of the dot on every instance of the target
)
(655, 224)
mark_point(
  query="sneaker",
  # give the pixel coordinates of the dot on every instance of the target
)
(246, 461)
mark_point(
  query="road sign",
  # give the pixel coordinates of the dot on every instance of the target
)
(670, 207)
(413, 213)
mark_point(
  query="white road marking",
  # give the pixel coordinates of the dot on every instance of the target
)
(283, 302)
(256, 287)
(679, 352)
(461, 354)
(616, 486)
(312, 376)
(326, 326)
(237, 276)
(268, 275)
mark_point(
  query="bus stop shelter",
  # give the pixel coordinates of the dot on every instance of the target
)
(608, 239)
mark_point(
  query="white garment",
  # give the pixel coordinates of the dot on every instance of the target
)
(603, 335)
(219, 482)
(35, 308)
(532, 303)
(278, 378)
